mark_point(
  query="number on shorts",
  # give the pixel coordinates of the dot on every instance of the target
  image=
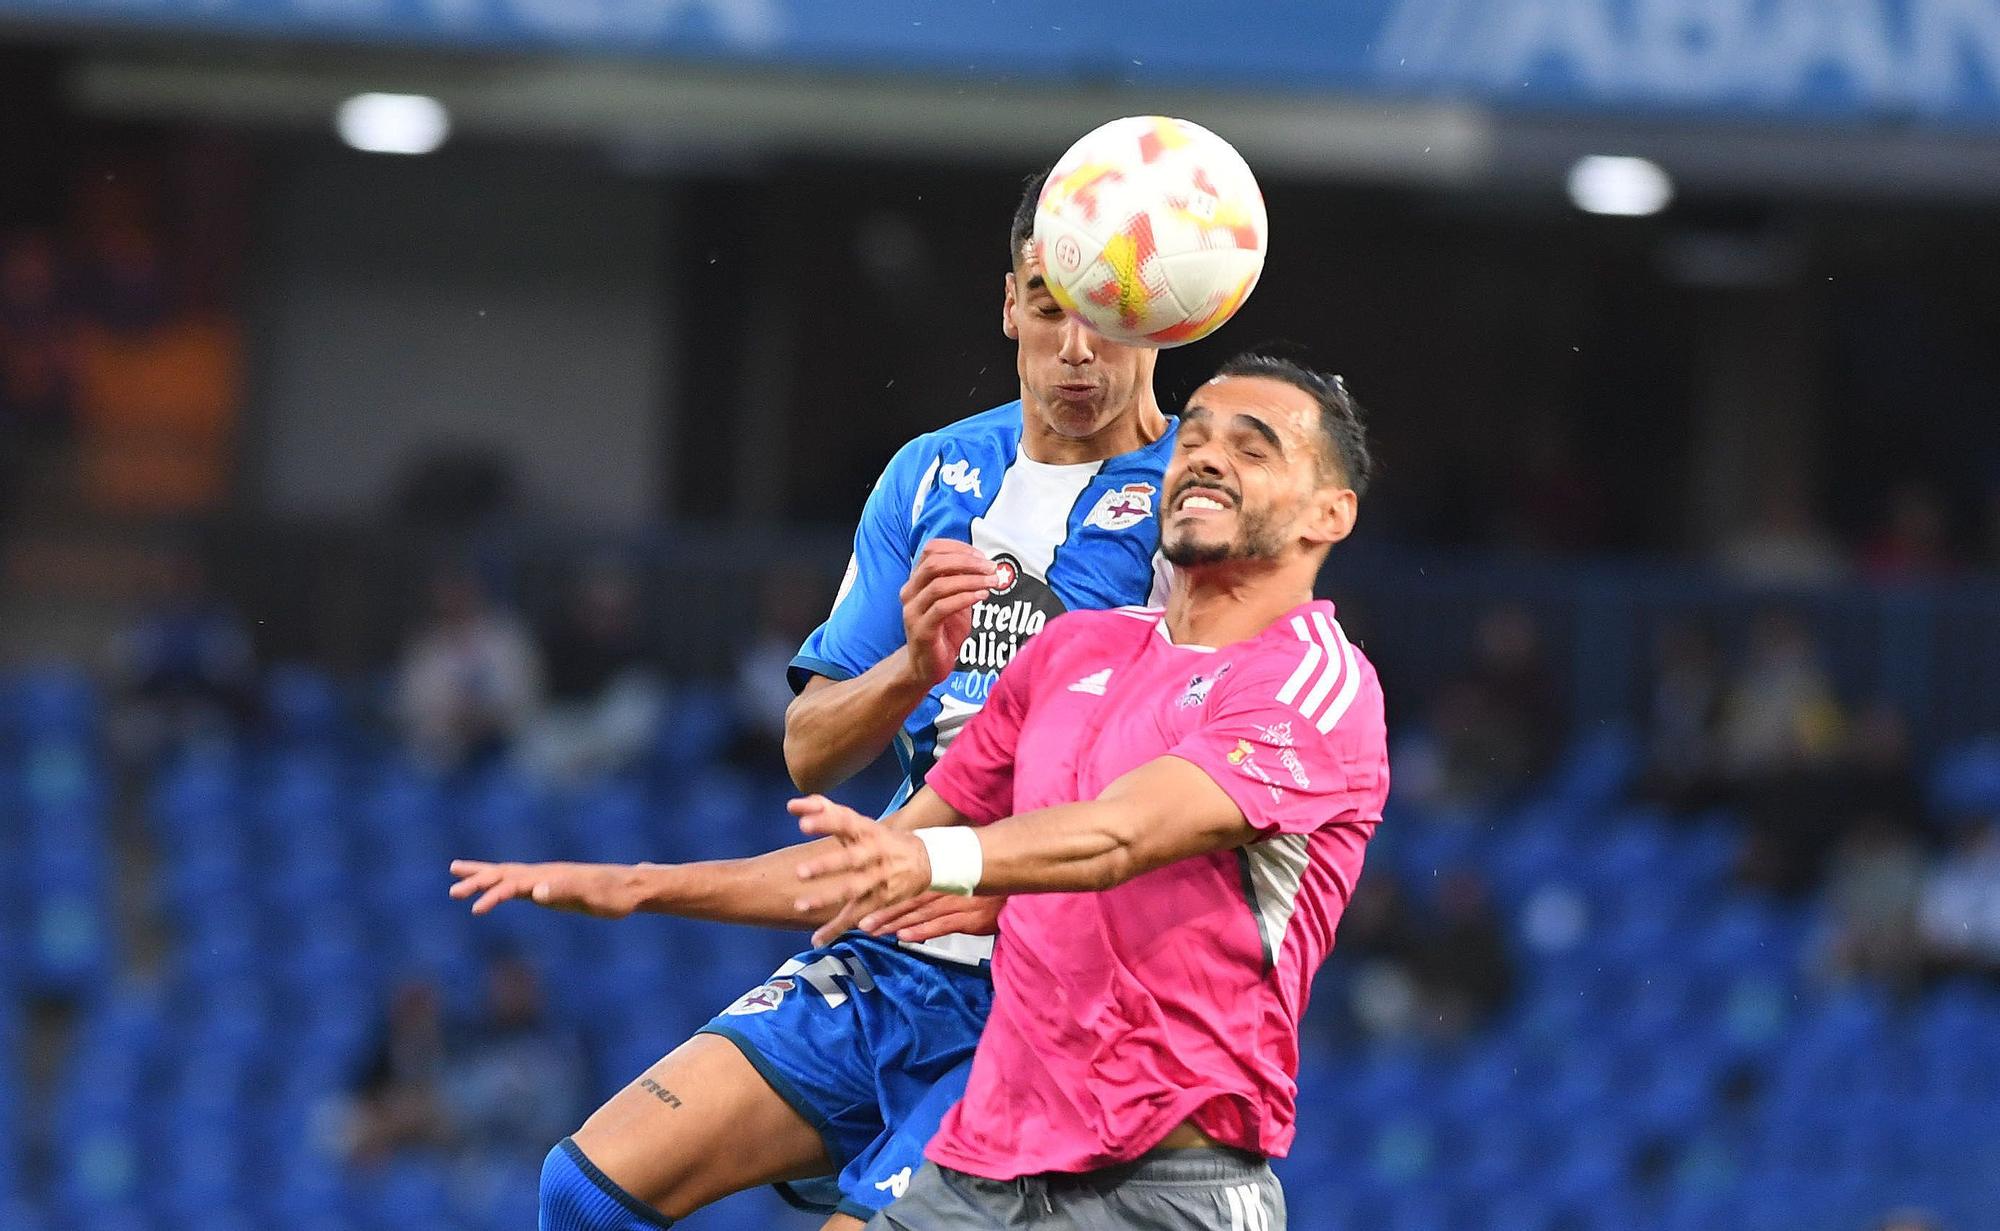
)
(823, 976)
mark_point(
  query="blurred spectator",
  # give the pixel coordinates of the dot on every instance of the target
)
(1872, 893)
(1780, 711)
(1783, 544)
(605, 693)
(1880, 784)
(396, 1103)
(1914, 543)
(1781, 733)
(1498, 725)
(185, 670)
(1443, 976)
(470, 679)
(37, 357)
(1379, 934)
(1464, 974)
(789, 607)
(1684, 720)
(36, 334)
(1379, 922)
(513, 1083)
(121, 276)
(1960, 908)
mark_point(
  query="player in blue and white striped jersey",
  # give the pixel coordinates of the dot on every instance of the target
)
(841, 1063)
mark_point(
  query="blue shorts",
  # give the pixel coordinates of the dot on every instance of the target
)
(870, 1043)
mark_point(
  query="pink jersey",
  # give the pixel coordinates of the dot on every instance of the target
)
(1177, 995)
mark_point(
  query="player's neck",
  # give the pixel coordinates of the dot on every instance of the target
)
(1139, 427)
(1220, 604)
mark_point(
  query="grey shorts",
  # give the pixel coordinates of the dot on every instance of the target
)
(1167, 1190)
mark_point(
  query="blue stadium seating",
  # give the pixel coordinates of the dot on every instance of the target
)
(1670, 1060)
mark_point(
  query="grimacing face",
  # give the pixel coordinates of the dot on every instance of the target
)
(1078, 382)
(1248, 480)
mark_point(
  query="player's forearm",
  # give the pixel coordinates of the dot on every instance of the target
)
(762, 890)
(1071, 848)
(1159, 814)
(835, 728)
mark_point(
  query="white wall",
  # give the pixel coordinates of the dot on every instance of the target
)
(513, 302)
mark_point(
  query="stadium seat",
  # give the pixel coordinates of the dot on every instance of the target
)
(1965, 781)
(700, 722)
(53, 701)
(302, 704)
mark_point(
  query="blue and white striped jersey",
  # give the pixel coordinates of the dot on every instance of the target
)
(1071, 537)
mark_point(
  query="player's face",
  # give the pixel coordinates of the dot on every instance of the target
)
(1247, 481)
(1078, 383)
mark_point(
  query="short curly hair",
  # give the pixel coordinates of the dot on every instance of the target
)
(1343, 424)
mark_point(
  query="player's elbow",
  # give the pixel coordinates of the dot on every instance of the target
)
(1112, 869)
(1120, 857)
(810, 768)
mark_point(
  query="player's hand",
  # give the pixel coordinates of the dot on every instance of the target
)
(931, 915)
(875, 866)
(947, 582)
(603, 890)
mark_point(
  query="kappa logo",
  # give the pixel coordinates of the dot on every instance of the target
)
(1093, 684)
(961, 477)
(1123, 508)
(896, 1185)
(760, 999)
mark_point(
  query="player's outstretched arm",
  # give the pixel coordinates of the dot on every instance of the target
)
(834, 728)
(1166, 810)
(761, 890)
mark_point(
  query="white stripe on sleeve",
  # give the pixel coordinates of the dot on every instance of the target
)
(1347, 690)
(1314, 653)
(1327, 678)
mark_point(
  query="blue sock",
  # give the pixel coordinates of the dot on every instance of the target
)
(576, 1196)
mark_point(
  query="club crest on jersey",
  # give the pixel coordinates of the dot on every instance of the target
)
(1198, 687)
(760, 999)
(1244, 758)
(1123, 508)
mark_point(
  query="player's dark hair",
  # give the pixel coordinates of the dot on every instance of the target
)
(1023, 229)
(1343, 424)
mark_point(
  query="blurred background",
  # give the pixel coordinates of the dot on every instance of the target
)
(344, 343)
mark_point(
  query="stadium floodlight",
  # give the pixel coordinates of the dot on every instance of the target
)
(1620, 187)
(393, 123)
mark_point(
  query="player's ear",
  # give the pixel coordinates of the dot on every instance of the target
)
(1007, 325)
(1334, 510)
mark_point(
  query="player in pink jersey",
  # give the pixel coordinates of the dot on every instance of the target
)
(1179, 799)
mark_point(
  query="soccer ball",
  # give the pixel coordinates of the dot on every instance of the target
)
(1151, 231)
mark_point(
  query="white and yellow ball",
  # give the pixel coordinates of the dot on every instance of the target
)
(1151, 231)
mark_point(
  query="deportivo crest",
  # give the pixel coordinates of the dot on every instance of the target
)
(1124, 508)
(1197, 689)
(760, 999)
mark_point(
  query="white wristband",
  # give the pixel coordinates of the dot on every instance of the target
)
(956, 859)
